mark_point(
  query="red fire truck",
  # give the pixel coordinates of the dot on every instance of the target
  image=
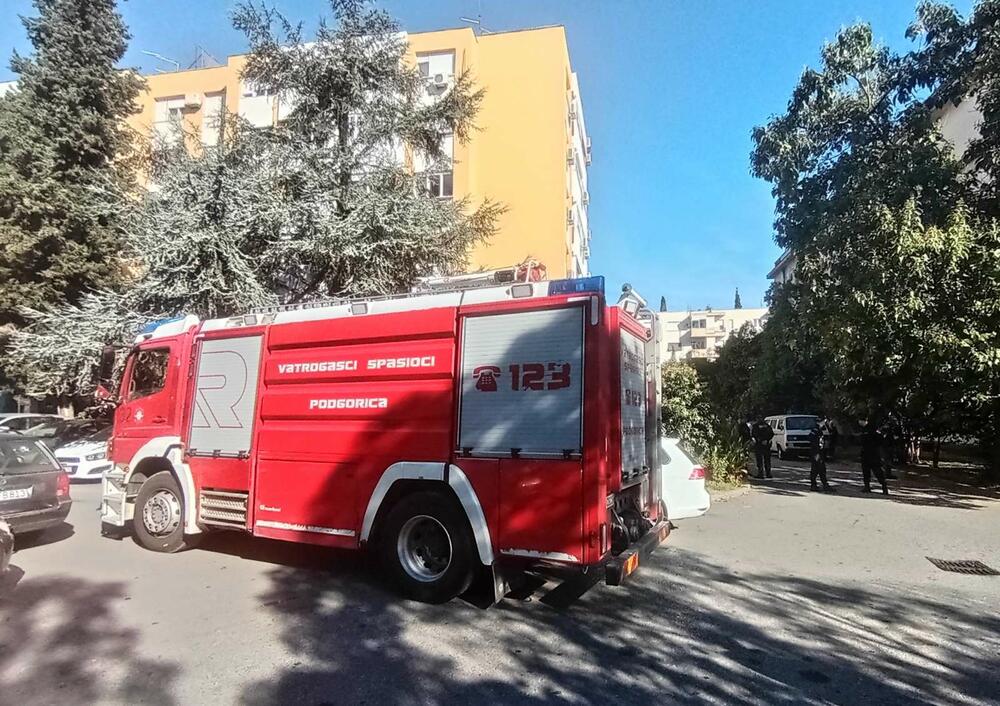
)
(455, 433)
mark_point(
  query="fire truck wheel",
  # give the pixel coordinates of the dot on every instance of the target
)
(159, 511)
(427, 548)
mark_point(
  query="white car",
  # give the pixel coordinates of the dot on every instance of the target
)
(86, 458)
(682, 481)
(22, 421)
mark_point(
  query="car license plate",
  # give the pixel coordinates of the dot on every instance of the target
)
(15, 494)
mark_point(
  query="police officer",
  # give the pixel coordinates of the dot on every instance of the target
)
(831, 434)
(871, 457)
(817, 455)
(762, 434)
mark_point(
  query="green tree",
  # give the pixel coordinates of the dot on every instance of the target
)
(685, 410)
(354, 219)
(297, 212)
(960, 58)
(788, 375)
(730, 383)
(870, 199)
(61, 130)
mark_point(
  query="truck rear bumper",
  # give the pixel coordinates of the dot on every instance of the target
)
(619, 568)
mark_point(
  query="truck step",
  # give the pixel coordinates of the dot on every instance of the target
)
(224, 507)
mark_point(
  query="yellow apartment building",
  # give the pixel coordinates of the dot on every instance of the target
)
(530, 151)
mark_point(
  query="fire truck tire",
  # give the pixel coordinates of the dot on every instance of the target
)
(158, 523)
(427, 549)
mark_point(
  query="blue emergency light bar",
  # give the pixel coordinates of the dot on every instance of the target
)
(573, 286)
(153, 325)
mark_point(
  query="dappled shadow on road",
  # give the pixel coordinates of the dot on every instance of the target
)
(61, 643)
(686, 631)
(907, 489)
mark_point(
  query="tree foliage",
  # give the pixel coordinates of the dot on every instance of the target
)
(685, 410)
(896, 299)
(354, 219)
(61, 130)
(320, 205)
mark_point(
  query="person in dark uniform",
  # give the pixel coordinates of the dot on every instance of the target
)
(762, 434)
(817, 457)
(871, 457)
(744, 432)
(890, 434)
(832, 434)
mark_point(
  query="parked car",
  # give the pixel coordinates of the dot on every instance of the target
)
(86, 458)
(21, 421)
(58, 432)
(682, 481)
(791, 434)
(34, 489)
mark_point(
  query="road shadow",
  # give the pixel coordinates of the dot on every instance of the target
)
(792, 479)
(290, 554)
(687, 631)
(39, 539)
(61, 642)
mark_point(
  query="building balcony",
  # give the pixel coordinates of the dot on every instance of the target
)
(706, 331)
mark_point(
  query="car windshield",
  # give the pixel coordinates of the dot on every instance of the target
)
(24, 456)
(100, 435)
(800, 423)
(44, 429)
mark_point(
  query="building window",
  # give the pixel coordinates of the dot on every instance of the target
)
(698, 344)
(438, 176)
(211, 118)
(440, 185)
(168, 114)
(438, 71)
(698, 323)
(257, 104)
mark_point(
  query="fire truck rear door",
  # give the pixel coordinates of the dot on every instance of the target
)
(522, 402)
(222, 411)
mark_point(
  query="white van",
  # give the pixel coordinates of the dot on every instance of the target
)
(791, 433)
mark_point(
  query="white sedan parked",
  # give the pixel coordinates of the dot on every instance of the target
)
(86, 458)
(682, 481)
(13, 421)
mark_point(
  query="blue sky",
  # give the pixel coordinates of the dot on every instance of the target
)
(671, 90)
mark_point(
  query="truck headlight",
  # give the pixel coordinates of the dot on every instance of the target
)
(97, 456)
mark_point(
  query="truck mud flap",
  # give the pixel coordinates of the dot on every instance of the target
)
(618, 569)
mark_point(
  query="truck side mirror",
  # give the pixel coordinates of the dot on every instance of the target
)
(106, 371)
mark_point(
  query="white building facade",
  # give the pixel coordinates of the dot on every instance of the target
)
(691, 335)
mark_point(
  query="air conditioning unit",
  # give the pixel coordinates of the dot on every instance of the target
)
(587, 152)
(192, 101)
(570, 220)
(572, 111)
(570, 157)
(586, 198)
(439, 81)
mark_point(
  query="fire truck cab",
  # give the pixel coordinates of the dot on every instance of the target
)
(452, 432)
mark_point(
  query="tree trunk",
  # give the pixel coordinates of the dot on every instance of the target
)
(937, 451)
(65, 408)
(991, 473)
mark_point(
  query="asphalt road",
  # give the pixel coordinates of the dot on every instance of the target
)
(777, 596)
